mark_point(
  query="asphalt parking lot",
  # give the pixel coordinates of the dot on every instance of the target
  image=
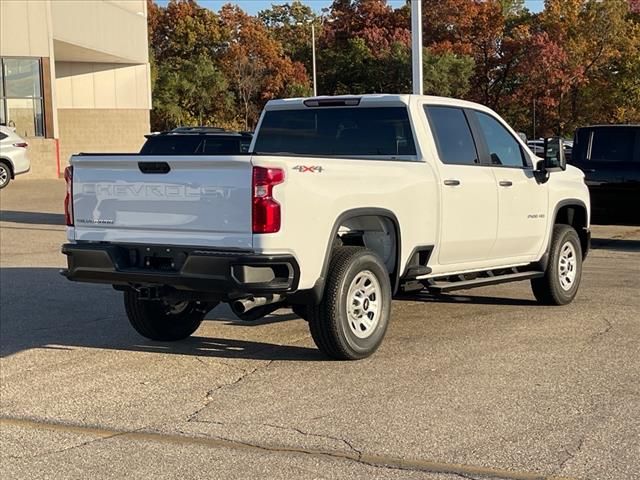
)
(481, 384)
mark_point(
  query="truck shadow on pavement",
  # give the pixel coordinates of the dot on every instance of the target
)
(32, 218)
(617, 244)
(41, 309)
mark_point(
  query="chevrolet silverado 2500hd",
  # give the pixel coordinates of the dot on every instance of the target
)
(341, 203)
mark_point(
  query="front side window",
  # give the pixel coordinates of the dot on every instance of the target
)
(503, 147)
(337, 131)
(452, 135)
(21, 104)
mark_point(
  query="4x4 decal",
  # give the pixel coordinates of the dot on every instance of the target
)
(308, 168)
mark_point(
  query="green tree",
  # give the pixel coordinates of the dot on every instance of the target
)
(190, 92)
(447, 74)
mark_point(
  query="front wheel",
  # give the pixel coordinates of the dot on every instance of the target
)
(351, 320)
(162, 320)
(560, 283)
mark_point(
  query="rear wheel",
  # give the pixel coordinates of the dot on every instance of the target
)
(162, 320)
(351, 320)
(5, 174)
(560, 283)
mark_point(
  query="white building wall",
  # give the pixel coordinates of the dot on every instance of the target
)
(117, 29)
(24, 28)
(102, 85)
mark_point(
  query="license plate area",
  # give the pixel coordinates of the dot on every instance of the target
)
(157, 259)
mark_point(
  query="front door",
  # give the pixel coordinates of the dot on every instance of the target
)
(523, 201)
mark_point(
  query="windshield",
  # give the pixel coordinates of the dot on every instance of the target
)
(195, 145)
(326, 132)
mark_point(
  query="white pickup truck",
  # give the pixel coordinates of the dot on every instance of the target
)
(340, 204)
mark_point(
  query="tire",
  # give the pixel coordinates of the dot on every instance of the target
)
(158, 320)
(560, 283)
(5, 174)
(358, 280)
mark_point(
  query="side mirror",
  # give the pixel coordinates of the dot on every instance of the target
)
(554, 157)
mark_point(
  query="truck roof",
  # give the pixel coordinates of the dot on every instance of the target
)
(611, 125)
(367, 100)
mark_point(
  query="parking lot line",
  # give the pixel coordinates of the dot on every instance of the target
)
(367, 459)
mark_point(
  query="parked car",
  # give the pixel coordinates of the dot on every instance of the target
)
(197, 141)
(342, 203)
(537, 147)
(13, 155)
(609, 156)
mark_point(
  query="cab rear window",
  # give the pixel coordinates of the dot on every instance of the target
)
(337, 131)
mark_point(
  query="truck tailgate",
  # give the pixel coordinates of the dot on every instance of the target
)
(197, 201)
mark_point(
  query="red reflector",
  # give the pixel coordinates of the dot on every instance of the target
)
(21, 144)
(68, 198)
(265, 212)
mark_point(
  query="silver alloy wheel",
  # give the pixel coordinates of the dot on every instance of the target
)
(364, 304)
(567, 266)
(4, 175)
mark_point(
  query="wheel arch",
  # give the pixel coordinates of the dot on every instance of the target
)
(9, 164)
(351, 215)
(573, 212)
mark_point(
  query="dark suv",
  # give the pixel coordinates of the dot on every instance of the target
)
(197, 141)
(609, 156)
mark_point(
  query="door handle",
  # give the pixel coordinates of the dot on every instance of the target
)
(505, 183)
(452, 183)
(589, 170)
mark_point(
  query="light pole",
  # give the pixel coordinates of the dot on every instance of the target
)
(416, 45)
(313, 56)
(323, 20)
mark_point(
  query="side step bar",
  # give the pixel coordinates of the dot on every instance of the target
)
(441, 287)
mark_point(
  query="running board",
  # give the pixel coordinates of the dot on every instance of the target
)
(441, 287)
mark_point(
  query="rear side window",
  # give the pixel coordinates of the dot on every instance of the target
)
(337, 131)
(3, 136)
(191, 145)
(452, 134)
(613, 144)
(504, 149)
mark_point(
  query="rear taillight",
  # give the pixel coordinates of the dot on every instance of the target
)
(265, 212)
(21, 144)
(68, 198)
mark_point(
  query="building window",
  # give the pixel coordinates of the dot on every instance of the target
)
(21, 102)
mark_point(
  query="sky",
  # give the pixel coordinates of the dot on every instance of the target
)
(254, 6)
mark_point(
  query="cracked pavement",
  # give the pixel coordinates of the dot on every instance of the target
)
(480, 384)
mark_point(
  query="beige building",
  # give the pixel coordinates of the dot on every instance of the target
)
(74, 77)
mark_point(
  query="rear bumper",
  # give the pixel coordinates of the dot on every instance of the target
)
(21, 163)
(225, 273)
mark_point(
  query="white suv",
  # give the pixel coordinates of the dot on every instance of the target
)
(13, 155)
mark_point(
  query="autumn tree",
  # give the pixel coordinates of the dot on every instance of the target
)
(189, 88)
(577, 62)
(602, 42)
(290, 24)
(251, 55)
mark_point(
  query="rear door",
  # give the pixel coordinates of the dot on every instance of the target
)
(469, 201)
(190, 200)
